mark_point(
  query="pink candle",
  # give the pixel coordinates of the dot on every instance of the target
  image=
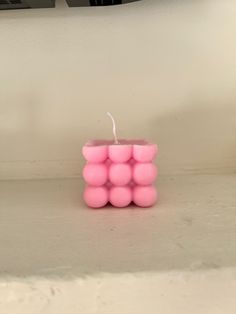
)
(119, 172)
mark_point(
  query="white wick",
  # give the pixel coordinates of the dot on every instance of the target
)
(113, 128)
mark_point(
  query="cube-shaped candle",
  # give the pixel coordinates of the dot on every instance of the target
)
(120, 173)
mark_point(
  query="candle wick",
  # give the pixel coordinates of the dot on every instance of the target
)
(113, 127)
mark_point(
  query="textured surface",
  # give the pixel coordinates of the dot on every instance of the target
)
(45, 230)
(57, 257)
(178, 292)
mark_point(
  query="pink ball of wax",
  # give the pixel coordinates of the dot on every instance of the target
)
(96, 197)
(95, 154)
(144, 196)
(120, 153)
(120, 174)
(120, 196)
(95, 174)
(144, 173)
(144, 153)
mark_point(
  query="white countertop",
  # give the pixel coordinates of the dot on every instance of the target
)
(51, 242)
(45, 226)
(180, 253)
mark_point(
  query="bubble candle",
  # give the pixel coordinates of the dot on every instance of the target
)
(119, 172)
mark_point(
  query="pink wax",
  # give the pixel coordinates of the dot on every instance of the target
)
(144, 173)
(96, 197)
(144, 196)
(95, 174)
(120, 173)
(120, 196)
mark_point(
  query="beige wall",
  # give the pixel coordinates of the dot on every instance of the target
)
(165, 69)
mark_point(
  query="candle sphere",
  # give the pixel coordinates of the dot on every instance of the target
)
(144, 173)
(120, 153)
(120, 196)
(144, 196)
(120, 174)
(95, 174)
(95, 154)
(96, 197)
(144, 153)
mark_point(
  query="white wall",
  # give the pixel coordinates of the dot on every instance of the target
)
(165, 69)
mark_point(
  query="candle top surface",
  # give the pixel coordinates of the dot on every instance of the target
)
(140, 142)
